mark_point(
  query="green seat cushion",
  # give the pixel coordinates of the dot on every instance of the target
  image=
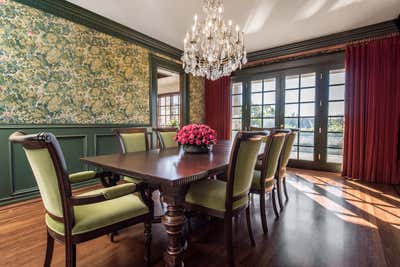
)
(168, 139)
(211, 194)
(94, 216)
(255, 184)
(132, 180)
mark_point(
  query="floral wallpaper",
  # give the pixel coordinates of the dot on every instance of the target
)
(54, 71)
(197, 104)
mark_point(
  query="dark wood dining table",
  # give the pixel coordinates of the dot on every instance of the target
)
(172, 170)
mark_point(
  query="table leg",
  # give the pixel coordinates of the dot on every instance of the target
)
(174, 220)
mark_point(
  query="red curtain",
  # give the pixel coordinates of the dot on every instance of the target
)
(372, 111)
(218, 106)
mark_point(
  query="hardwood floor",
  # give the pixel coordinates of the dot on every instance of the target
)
(328, 221)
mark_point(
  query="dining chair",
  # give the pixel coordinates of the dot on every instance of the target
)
(132, 140)
(280, 175)
(225, 199)
(263, 180)
(72, 219)
(165, 137)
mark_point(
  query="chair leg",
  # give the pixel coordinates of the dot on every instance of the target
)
(148, 238)
(263, 213)
(273, 198)
(279, 189)
(49, 250)
(70, 254)
(248, 219)
(284, 188)
(229, 240)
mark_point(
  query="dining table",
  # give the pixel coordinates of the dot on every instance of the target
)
(172, 171)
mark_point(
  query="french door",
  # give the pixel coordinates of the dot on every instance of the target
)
(310, 99)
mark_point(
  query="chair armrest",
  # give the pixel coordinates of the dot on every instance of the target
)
(82, 176)
(104, 194)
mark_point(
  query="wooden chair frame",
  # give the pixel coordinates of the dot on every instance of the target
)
(160, 140)
(229, 212)
(48, 141)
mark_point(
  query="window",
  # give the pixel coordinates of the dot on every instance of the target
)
(169, 110)
(262, 107)
(300, 113)
(335, 116)
(237, 105)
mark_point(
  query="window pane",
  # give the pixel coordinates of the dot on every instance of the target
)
(256, 99)
(236, 112)
(256, 86)
(308, 80)
(167, 101)
(306, 139)
(237, 100)
(269, 111)
(175, 100)
(237, 88)
(269, 98)
(162, 110)
(236, 124)
(292, 81)
(307, 95)
(291, 110)
(269, 123)
(307, 124)
(291, 96)
(336, 92)
(269, 84)
(336, 76)
(167, 110)
(256, 111)
(336, 108)
(306, 153)
(175, 110)
(291, 123)
(255, 123)
(307, 109)
(335, 140)
(293, 154)
(162, 101)
(334, 155)
(335, 124)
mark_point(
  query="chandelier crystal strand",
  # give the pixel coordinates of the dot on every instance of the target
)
(212, 48)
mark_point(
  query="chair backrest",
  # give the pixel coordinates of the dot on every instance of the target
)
(166, 137)
(132, 139)
(50, 171)
(286, 150)
(272, 152)
(243, 157)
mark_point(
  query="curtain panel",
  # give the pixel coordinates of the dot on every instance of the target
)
(218, 106)
(372, 111)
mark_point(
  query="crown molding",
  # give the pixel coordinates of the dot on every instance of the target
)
(369, 31)
(77, 14)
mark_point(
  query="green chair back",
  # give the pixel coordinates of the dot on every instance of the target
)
(167, 138)
(243, 160)
(287, 148)
(272, 152)
(132, 139)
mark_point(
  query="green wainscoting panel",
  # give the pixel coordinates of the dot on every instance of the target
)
(16, 179)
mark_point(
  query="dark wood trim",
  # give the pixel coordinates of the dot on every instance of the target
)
(77, 14)
(369, 31)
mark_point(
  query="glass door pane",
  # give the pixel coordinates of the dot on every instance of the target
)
(299, 112)
(237, 108)
(335, 116)
(263, 103)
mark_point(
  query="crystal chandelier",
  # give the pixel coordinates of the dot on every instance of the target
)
(213, 48)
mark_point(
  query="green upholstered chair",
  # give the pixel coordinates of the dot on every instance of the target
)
(280, 175)
(165, 137)
(225, 199)
(263, 179)
(132, 140)
(72, 219)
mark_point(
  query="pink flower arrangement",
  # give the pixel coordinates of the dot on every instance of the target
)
(196, 134)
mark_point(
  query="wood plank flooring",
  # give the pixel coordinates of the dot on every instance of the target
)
(328, 221)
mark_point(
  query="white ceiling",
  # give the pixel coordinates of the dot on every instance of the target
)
(267, 23)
